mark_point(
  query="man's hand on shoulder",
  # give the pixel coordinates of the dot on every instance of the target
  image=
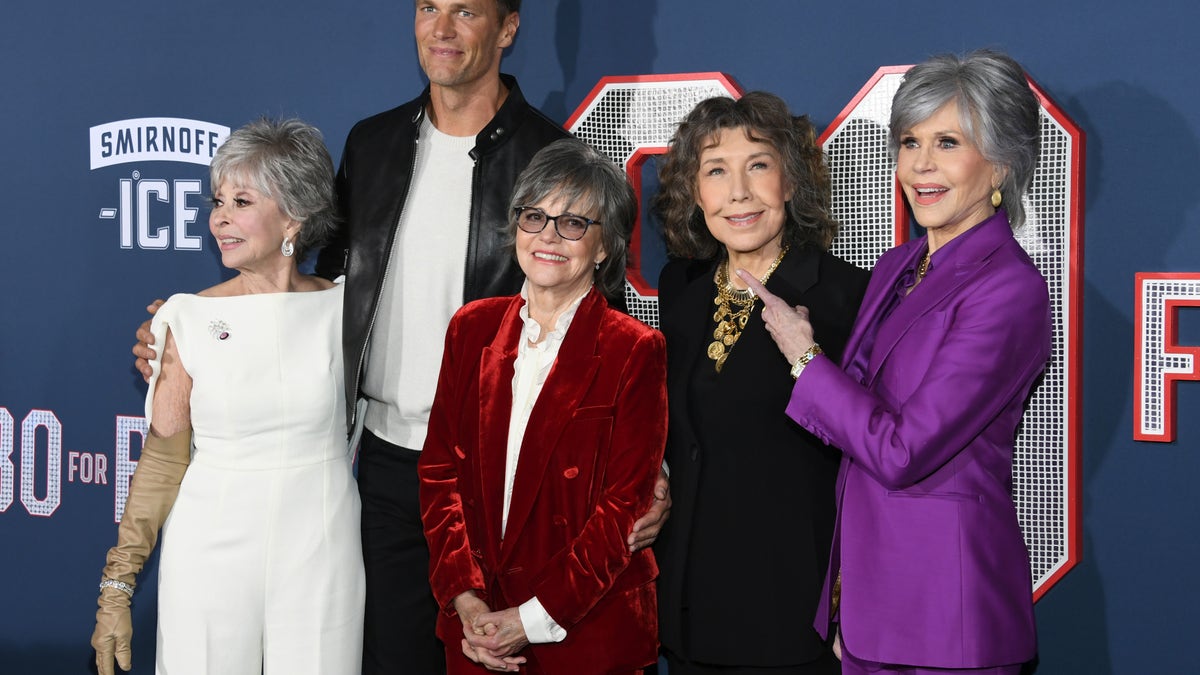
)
(647, 528)
(142, 350)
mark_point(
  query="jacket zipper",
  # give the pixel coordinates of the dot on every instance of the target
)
(472, 241)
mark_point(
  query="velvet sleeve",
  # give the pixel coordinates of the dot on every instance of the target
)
(452, 569)
(575, 579)
(990, 345)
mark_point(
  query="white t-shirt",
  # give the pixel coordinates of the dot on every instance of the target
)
(423, 287)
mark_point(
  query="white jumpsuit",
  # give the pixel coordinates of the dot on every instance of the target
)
(261, 565)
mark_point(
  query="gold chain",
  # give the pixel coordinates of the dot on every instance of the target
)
(730, 322)
(923, 266)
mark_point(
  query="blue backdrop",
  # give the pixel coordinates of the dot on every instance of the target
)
(1125, 72)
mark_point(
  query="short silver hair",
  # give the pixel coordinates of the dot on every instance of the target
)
(997, 110)
(287, 161)
(587, 181)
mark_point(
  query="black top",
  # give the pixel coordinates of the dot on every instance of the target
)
(747, 544)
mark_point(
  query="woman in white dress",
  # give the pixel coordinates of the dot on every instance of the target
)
(261, 567)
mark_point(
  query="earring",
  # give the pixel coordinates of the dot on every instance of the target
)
(996, 198)
(287, 248)
(597, 265)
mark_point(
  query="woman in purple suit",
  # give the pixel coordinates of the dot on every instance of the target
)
(928, 559)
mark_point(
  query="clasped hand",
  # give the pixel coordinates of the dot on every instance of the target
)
(491, 638)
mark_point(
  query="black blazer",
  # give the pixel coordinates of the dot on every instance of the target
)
(747, 544)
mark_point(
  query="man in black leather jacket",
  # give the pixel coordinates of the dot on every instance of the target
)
(372, 183)
(459, 45)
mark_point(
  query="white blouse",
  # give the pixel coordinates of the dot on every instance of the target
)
(534, 360)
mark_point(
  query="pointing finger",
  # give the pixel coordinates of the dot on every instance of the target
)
(769, 299)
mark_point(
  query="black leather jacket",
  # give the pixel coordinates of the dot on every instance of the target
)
(372, 184)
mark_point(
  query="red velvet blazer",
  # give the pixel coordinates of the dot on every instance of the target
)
(588, 462)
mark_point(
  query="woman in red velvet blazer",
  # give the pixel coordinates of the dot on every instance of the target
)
(545, 439)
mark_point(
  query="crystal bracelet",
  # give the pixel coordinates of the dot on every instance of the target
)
(119, 585)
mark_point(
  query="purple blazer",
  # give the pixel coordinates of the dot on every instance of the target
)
(934, 568)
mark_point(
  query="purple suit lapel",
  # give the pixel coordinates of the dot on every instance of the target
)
(963, 263)
(870, 313)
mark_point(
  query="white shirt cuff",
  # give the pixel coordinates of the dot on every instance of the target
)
(540, 628)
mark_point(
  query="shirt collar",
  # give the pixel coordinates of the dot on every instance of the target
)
(532, 331)
(946, 252)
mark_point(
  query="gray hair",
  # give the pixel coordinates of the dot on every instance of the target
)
(587, 181)
(997, 110)
(285, 160)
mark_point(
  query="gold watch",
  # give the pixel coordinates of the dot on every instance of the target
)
(808, 355)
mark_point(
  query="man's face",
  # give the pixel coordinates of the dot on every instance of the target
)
(459, 42)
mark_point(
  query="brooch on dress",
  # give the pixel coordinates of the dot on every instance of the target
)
(219, 329)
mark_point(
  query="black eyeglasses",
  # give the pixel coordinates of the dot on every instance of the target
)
(568, 225)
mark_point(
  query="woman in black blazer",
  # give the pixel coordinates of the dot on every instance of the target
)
(743, 558)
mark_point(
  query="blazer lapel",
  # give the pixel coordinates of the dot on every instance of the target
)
(879, 292)
(687, 325)
(690, 328)
(964, 263)
(495, 412)
(568, 381)
(798, 272)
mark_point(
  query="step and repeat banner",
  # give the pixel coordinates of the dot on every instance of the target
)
(111, 114)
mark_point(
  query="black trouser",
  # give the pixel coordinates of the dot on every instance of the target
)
(401, 614)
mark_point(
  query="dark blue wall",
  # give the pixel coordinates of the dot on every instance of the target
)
(1125, 72)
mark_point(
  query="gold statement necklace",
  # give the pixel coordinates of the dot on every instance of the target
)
(731, 322)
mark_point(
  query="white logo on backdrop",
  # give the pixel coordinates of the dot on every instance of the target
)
(155, 212)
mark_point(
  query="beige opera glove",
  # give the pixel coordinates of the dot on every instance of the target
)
(152, 493)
